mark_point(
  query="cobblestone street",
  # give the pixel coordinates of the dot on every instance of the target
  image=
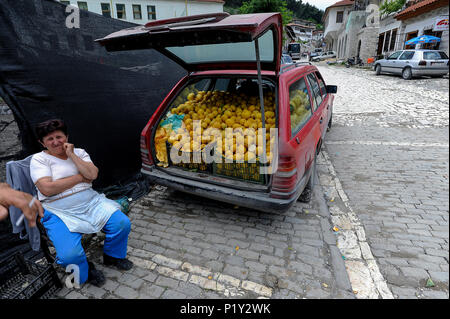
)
(377, 226)
(389, 149)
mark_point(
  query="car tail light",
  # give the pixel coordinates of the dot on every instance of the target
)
(285, 179)
(145, 153)
(422, 62)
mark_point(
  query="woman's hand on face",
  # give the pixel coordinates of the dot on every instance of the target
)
(69, 149)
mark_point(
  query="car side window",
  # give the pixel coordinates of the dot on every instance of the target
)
(322, 86)
(317, 97)
(395, 55)
(407, 55)
(300, 105)
(431, 56)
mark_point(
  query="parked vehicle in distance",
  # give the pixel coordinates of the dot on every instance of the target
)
(316, 52)
(412, 63)
(324, 56)
(294, 50)
(222, 90)
(354, 61)
(286, 59)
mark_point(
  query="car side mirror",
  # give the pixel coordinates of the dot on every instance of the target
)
(331, 88)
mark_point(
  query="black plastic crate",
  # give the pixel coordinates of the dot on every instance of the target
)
(23, 279)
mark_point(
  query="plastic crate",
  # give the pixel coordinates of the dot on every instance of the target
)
(197, 167)
(23, 279)
(249, 172)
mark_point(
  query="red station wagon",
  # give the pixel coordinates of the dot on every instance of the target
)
(235, 83)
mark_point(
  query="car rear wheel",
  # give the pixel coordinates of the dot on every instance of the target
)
(407, 74)
(378, 69)
(306, 195)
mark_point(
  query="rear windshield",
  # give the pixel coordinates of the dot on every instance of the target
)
(236, 52)
(443, 55)
(431, 56)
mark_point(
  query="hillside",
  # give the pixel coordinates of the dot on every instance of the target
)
(301, 10)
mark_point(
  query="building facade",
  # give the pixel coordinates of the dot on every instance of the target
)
(143, 11)
(333, 20)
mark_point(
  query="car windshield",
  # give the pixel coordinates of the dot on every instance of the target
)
(294, 47)
(238, 52)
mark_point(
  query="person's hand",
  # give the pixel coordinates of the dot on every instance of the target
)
(21, 200)
(69, 149)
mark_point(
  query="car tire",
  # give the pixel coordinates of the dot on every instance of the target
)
(306, 195)
(378, 69)
(407, 73)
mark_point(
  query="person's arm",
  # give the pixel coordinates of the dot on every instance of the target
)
(48, 187)
(21, 200)
(87, 169)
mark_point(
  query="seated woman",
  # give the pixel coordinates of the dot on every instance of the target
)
(63, 176)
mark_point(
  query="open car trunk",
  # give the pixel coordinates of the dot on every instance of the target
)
(212, 131)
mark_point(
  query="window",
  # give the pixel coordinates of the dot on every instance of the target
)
(393, 39)
(386, 42)
(395, 55)
(106, 10)
(409, 36)
(407, 55)
(120, 8)
(82, 5)
(137, 15)
(322, 85)
(432, 46)
(431, 55)
(65, 2)
(300, 105)
(222, 52)
(317, 100)
(151, 12)
(339, 16)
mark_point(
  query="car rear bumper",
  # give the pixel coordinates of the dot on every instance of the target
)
(251, 199)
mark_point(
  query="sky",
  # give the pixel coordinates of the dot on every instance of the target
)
(321, 4)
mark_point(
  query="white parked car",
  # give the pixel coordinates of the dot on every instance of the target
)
(410, 63)
(325, 55)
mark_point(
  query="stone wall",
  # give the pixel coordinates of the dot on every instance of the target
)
(369, 42)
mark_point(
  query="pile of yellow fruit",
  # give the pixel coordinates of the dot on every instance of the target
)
(220, 110)
(298, 102)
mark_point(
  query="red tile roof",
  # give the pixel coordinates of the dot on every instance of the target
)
(342, 3)
(420, 8)
(338, 4)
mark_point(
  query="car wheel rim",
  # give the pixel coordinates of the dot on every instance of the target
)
(406, 73)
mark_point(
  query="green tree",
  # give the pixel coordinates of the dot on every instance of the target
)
(259, 6)
(389, 6)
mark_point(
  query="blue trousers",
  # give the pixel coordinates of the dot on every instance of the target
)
(68, 245)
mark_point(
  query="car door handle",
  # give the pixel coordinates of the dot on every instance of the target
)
(321, 120)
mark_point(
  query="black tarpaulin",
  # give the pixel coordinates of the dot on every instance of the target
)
(48, 70)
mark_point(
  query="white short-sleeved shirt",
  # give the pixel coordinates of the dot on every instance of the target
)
(46, 165)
